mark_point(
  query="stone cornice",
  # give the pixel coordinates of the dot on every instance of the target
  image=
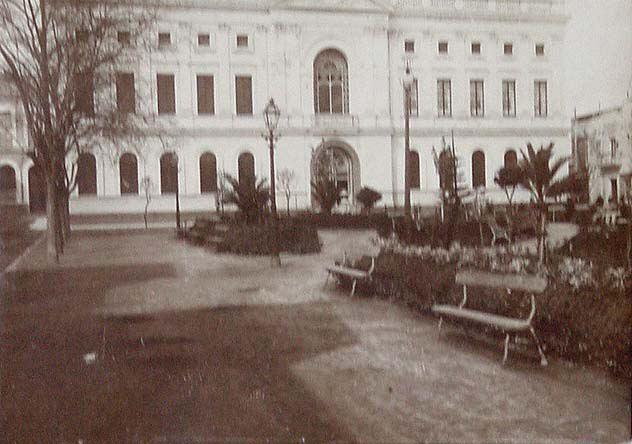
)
(374, 132)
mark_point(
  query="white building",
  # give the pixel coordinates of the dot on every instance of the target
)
(602, 147)
(489, 70)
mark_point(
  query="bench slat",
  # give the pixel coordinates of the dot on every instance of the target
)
(359, 274)
(534, 284)
(505, 323)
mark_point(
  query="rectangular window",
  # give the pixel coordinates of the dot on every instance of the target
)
(243, 95)
(166, 93)
(414, 98)
(205, 94)
(85, 93)
(164, 39)
(539, 49)
(444, 97)
(509, 98)
(409, 46)
(477, 98)
(124, 38)
(204, 39)
(476, 48)
(443, 47)
(242, 41)
(541, 99)
(508, 49)
(125, 93)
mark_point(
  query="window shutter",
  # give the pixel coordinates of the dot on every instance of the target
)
(205, 94)
(125, 93)
(166, 94)
(243, 90)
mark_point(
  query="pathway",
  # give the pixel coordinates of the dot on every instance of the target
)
(139, 337)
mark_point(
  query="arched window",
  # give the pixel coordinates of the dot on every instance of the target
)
(478, 169)
(37, 190)
(7, 184)
(246, 169)
(87, 174)
(511, 158)
(413, 170)
(208, 173)
(168, 173)
(128, 166)
(331, 83)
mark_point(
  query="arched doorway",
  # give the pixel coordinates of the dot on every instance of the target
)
(169, 173)
(86, 174)
(341, 164)
(7, 185)
(246, 169)
(128, 174)
(37, 191)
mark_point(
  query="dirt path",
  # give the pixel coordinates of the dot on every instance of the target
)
(142, 338)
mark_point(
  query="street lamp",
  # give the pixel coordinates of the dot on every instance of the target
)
(271, 114)
(408, 82)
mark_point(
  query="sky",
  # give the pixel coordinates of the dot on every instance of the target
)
(598, 54)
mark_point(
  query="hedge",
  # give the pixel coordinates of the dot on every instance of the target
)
(257, 239)
(584, 315)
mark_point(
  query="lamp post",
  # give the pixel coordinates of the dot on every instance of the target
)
(408, 82)
(271, 114)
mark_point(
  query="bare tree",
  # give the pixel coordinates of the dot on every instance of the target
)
(61, 57)
(147, 185)
(286, 179)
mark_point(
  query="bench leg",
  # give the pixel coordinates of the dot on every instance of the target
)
(326, 280)
(543, 361)
(353, 287)
(506, 348)
(440, 322)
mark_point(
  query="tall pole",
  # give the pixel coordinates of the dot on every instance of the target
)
(275, 259)
(407, 153)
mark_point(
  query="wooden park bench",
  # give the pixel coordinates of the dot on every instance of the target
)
(343, 269)
(530, 284)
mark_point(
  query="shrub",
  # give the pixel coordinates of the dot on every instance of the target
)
(250, 196)
(584, 315)
(326, 193)
(368, 197)
(377, 221)
(257, 239)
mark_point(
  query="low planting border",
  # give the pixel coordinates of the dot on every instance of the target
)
(589, 324)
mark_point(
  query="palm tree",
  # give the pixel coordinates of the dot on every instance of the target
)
(540, 170)
(509, 178)
(250, 196)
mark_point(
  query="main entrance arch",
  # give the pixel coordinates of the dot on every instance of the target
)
(340, 162)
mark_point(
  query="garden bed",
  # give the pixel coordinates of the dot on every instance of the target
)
(584, 315)
(258, 239)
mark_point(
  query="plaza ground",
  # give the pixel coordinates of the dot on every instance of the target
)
(139, 337)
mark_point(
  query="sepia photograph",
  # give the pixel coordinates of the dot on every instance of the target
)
(315, 221)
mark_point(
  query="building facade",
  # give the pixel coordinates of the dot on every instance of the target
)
(602, 148)
(486, 71)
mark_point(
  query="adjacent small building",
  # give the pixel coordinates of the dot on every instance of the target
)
(602, 149)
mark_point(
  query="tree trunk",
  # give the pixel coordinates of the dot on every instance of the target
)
(52, 250)
(629, 246)
(542, 236)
